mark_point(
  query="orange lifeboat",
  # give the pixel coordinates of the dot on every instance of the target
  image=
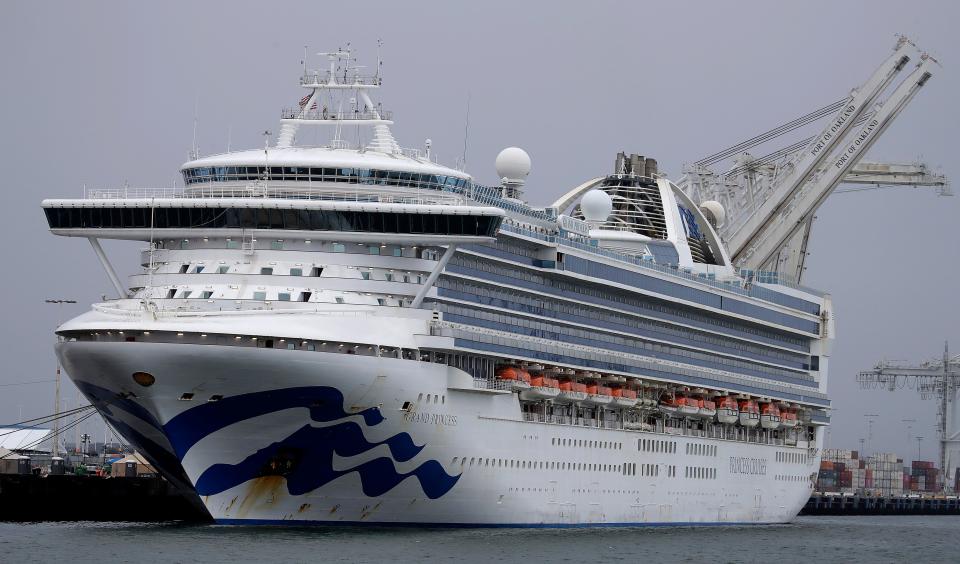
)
(680, 406)
(769, 415)
(624, 397)
(688, 406)
(670, 405)
(513, 378)
(707, 409)
(571, 391)
(597, 394)
(727, 411)
(788, 418)
(541, 387)
(749, 413)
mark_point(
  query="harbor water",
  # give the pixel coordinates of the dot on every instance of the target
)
(925, 539)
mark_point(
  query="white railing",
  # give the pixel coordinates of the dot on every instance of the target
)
(327, 115)
(322, 78)
(224, 190)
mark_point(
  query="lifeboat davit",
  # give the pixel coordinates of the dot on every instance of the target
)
(571, 391)
(749, 413)
(541, 388)
(598, 395)
(769, 415)
(513, 378)
(727, 411)
(623, 397)
(706, 409)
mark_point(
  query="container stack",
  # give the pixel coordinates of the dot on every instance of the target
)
(924, 477)
(827, 479)
(887, 474)
(849, 472)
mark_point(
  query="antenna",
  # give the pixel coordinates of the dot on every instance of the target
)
(466, 133)
(194, 150)
(266, 159)
(379, 62)
(229, 135)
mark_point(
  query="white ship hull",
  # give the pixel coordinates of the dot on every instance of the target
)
(324, 438)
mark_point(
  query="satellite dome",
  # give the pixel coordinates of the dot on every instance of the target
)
(596, 206)
(714, 212)
(513, 163)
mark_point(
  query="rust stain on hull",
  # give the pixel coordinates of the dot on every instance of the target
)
(259, 491)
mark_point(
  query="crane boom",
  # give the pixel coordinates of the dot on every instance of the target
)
(938, 379)
(819, 148)
(778, 228)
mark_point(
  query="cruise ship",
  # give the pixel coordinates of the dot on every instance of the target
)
(354, 334)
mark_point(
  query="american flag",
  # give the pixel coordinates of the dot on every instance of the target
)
(305, 99)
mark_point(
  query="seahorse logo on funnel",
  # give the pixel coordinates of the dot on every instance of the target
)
(304, 458)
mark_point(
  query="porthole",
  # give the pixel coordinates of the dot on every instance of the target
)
(145, 379)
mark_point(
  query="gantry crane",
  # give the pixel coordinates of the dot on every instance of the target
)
(937, 379)
(770, 201)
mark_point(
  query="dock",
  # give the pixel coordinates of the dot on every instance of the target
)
(28, 497)
(839, 504)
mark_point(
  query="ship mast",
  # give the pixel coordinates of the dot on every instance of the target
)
(324, 104)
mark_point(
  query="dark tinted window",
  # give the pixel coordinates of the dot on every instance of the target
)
(246, 218)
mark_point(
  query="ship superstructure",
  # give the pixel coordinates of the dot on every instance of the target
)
(355, 333)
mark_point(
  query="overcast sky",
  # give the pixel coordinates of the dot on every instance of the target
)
(103, 94)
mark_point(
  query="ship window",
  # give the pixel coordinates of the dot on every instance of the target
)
(184, 268)
(231, 244)
(283, 297)
(261, 296)
(398, 251)
(276, 245)
(339, 299)
(171, 293)
(296, 272)
(206, 294)
(365, 275)
(338, 248)
(381, 301)
(223, 269)
(186, 396)
(266, 270)
(305, 296)
(388, 277)
(373, 249)
(316, 271)
(186, 294)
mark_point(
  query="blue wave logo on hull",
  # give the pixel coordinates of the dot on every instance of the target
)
(109, 404)
(305, 458)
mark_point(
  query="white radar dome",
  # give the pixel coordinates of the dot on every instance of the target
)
(596, 206)
(513, 163)
(714, 212)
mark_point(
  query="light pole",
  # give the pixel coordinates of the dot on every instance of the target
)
(919, 440)
(56, 401)
(870, 417)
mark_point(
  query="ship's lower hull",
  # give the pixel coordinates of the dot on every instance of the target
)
(281, 436)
